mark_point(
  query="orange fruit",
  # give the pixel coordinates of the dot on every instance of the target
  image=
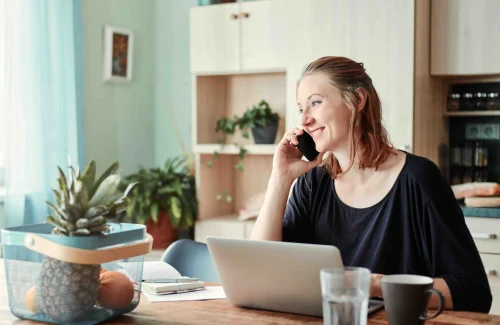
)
(116, 291)
(30, 299)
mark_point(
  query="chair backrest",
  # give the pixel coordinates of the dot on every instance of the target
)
(191, 259)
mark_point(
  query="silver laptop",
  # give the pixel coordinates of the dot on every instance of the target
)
(274, 275)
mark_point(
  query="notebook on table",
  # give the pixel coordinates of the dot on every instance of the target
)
(169, 288)
(159, 277)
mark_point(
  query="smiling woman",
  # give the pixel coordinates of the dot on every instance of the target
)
(384, 209)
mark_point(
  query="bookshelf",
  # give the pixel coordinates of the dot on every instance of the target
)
(226, 95)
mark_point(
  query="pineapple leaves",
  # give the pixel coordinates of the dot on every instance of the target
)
(57, 211)
(127, 190)
(60, 224)
(110, 171)
(58, 197)
(82, 196)
(84, 204)
(99, 229)
(73, 178)
(80, 232)
(88, 177)
(95, 211)
(82, 223)
(63, 186)
(106, 190)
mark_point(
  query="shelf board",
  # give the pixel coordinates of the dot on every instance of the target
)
(231, 149)
(473, 113)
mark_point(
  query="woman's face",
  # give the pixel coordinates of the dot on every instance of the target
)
(325, 116)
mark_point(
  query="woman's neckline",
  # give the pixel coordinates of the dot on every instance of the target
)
(393, 186)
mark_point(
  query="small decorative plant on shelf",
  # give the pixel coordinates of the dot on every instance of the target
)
(164, 200)
(260, 119)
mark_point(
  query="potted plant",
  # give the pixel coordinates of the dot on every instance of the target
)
(164, 199)
(262, 121)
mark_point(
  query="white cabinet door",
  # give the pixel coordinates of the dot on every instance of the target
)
(380, 34)
(262, 35)
(215, 38)
(464, 37)
(313, 29)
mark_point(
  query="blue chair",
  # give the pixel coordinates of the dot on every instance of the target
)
(191, 259)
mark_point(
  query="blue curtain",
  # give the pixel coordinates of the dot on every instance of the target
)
(44, 112)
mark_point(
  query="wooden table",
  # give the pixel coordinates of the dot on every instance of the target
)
(221, 312)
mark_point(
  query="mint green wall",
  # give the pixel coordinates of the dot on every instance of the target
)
(172, 77)
(119, 118)
(133, 123)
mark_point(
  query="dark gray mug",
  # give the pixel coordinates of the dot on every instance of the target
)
(406, 298)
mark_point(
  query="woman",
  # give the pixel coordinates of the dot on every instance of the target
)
(385, 209)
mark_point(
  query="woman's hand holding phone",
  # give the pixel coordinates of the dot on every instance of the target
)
(287, 161)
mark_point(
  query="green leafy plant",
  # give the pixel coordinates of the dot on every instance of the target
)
(171, 189)
(259, 115)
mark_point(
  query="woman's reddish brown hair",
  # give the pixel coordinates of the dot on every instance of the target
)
(367, 135)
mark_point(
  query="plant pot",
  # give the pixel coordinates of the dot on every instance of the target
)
(162, 231)
(265, 134)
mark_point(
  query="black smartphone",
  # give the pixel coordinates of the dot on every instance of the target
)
(307, 146)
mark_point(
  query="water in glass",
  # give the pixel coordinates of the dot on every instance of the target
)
(345, 296)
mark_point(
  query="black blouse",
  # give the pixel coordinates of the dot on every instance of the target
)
(417, 228)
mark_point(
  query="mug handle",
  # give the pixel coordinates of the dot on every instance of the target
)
(441, 305)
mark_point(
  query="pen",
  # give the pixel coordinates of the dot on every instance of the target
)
(172, 280)
(178, 291)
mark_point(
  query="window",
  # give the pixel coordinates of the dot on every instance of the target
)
(3, 90)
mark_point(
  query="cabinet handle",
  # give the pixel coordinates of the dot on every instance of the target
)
(244, 15)
(477, 235)
(234, 16)
(491, 272)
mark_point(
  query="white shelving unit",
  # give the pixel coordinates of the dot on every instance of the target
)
(236, 61)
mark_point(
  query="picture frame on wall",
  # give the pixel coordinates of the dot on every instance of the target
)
(118, 54)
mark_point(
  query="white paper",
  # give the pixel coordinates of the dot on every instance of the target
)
(155, 270)
(208, 294)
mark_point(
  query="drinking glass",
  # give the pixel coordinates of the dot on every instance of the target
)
(345, 294)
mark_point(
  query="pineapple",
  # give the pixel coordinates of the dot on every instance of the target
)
(67, 291)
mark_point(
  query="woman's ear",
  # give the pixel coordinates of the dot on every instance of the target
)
(363, 97)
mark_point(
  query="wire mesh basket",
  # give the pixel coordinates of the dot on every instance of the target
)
(66, 280)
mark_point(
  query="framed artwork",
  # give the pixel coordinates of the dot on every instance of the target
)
(118, 54)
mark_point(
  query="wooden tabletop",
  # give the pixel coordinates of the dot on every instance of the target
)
(222, 312)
